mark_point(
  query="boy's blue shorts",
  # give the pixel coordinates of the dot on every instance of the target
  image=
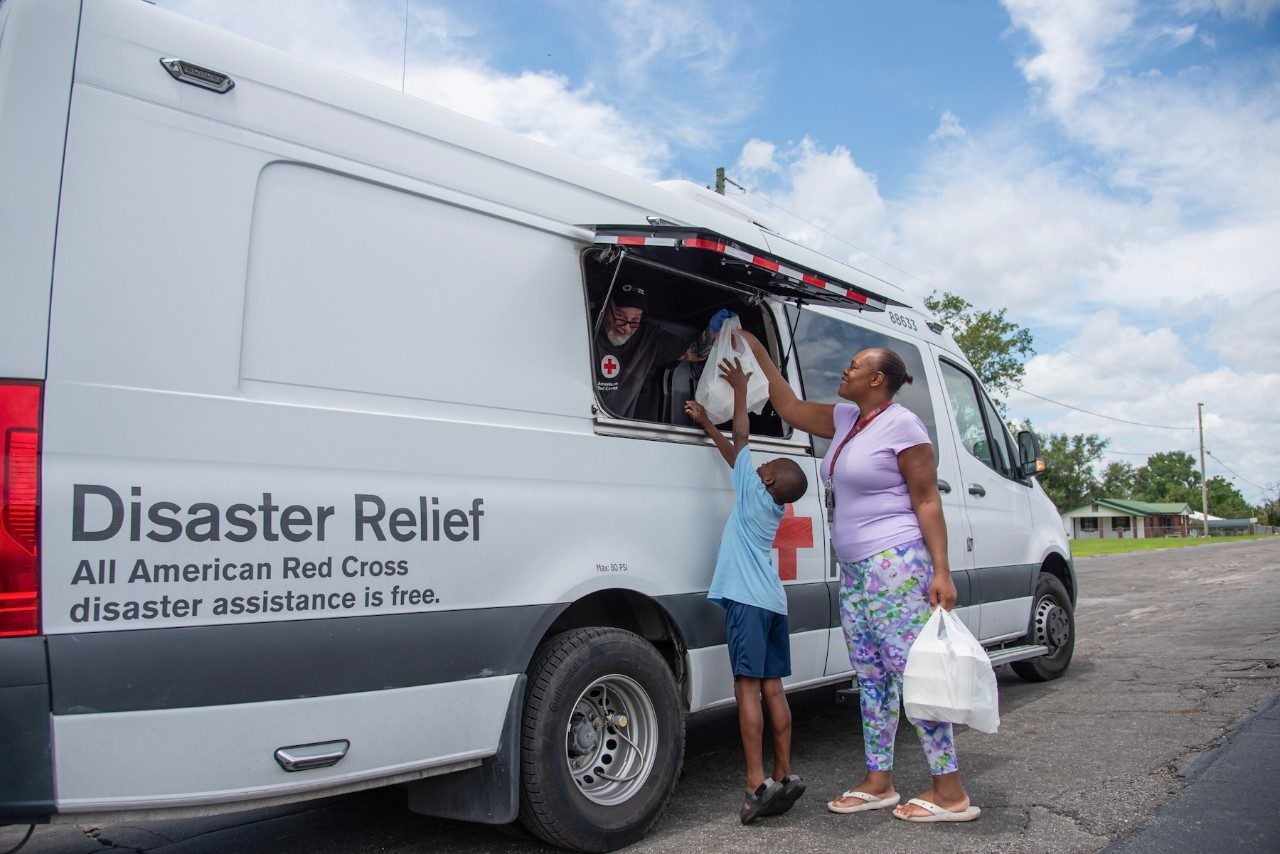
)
(759, 645)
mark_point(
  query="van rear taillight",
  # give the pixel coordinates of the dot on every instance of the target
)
(20, 509)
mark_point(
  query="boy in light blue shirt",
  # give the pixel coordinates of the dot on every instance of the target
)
(747, 586)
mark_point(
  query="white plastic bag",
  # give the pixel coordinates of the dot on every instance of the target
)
(714, 392)
(949, 676)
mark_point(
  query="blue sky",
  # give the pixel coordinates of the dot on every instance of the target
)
(1107, 170)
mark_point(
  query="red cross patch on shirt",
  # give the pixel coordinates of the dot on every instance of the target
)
(610, 366)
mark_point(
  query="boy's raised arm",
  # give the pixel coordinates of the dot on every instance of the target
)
(737, 378)
(699, 416)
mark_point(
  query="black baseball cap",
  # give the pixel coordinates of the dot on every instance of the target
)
(630, 296)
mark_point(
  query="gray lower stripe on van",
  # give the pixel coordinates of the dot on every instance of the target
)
(997, 583)
(701, 621)
(215, 665)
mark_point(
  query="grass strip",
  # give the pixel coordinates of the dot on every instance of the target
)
(1093, 548)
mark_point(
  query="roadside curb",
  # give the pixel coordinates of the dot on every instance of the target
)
(1230, 804)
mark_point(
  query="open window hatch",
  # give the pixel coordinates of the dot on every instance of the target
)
(688, 275)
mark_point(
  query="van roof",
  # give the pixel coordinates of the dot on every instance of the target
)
(611, 196)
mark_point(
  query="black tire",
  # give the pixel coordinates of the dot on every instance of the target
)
(1053, 624)
(560, 797)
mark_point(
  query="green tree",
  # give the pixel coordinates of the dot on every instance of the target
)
(1071, 461)
(1117, 480)
(1268, 513)
(996, 347)
(1168, 476)
(1225, 500)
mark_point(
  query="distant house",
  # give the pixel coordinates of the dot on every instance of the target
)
(1113, 518)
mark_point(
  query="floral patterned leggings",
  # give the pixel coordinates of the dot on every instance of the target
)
(884, 602)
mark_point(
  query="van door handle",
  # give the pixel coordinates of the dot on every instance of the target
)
(943, 486)
(304, 757)
(976, 489)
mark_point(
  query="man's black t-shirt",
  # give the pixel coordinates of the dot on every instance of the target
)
(621, 370)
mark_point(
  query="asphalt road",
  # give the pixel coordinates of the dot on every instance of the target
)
(1174, 648)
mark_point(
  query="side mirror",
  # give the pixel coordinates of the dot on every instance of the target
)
(1030, 460)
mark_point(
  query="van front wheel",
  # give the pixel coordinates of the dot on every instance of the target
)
(1053, 624)
(602, 740)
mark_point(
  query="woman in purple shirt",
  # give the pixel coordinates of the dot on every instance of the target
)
(890, 540)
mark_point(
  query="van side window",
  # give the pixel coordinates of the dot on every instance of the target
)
(646, 318)
(824, 345)
(982, 433)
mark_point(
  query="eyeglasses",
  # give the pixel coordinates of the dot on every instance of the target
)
(621, 320)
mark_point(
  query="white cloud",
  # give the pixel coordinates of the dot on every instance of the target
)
(757, 156)
(1246, 333)
(1207, 136)
(949, 127)
(683, 65)
(1073, 38)
(836, 203)
(544, 107)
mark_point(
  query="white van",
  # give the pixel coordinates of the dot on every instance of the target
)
(306, 485)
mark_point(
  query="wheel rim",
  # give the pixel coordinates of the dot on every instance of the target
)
(1053, 625)
(611, 739)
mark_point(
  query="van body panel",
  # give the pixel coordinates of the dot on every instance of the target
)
(37, 58)
(213, 754)
(278, 96)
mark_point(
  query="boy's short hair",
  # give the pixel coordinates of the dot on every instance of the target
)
(789, 481)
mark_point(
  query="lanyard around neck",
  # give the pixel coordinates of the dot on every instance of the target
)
(858, 427)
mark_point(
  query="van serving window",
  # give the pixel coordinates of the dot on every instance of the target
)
(649, 340)
(711, 256)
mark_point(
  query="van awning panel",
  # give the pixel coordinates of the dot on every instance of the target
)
(714, 256)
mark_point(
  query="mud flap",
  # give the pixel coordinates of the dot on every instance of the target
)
(26, 735)
(489, 794)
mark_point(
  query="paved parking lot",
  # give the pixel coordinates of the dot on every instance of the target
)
(1174, 648)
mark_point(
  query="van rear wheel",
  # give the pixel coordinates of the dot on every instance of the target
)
(602, 740)
(1053, 624)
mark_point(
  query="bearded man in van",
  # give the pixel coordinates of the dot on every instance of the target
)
(629, 350)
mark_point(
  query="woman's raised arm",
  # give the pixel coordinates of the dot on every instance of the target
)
(817, 419)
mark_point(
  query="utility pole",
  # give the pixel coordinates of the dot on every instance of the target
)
(1204, 484)
(720, 180)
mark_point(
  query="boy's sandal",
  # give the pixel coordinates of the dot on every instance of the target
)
(755, 803)
(792, 788)
(937, 813)
(870, 802)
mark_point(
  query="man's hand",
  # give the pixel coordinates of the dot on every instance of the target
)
(731, 370)
(697, 414)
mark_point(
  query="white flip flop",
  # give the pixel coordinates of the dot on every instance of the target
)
(871, 802)
(937, 813)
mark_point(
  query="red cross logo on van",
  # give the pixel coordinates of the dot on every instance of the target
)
(610, 366)
(794, 533)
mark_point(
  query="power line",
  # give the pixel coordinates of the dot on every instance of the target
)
(1099, 414)
(1233, 474)
(1241, 456)
(1162, 390)
(1112, 372)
